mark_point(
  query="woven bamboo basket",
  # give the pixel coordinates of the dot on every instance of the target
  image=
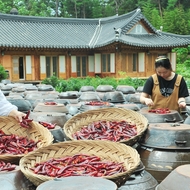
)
(106, 150)
(35, 132)
(75, 123)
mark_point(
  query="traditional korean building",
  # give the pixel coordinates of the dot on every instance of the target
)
(33, 48)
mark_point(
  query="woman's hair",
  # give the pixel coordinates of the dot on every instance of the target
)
(163, 61)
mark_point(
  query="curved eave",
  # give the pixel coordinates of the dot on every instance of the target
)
(43, 47)
(164, 40)
(155, 45)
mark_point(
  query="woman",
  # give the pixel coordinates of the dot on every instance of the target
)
(8, 109)
(165, 89)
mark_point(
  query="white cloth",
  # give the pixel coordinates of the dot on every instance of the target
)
(5, 106)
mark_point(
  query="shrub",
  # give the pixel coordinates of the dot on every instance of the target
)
(53, 80)
(3, 73)
(74, 84)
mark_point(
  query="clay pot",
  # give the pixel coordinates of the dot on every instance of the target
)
(133, 98)
(114, 97)
(69, 95)
(43, 107)
(22, 104)
(50, 117)
(6, 88)
(178, 179)
(84, 107)
(58, 134)
(45, 87)
(73, 109)
(5, 81)
(164, 147)
(140, 88)
(187, 100)
(171, 117)
(125, 89)
(130, 106)
(15, 180)
(89, 96)
(187, 120)
(53, 118)
(87, 89)
(105, 88)
(1, 85)
(18, 89)
(31, 88)
(14, 96)
(78, 182)
(142, 180)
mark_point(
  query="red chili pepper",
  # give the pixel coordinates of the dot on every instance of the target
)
(38, 168)
(47, 125)
(25, 120)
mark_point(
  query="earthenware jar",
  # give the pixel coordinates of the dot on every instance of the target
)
(102, 89)
(125, 89)
(89, 96)
(178, 179)
(15, 180)
(87, 89)
(114, 97)
(171, 117)
(164, 147)
(78, 182)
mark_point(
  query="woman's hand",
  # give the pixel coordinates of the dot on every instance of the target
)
(17, 115)
(182, 104)
(148, 102)
(145, 99)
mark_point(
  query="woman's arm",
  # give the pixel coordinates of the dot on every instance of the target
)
(145, 99)
(8, 109)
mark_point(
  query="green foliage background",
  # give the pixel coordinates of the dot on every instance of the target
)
(3, 73)
(173, 15)
(74, 84)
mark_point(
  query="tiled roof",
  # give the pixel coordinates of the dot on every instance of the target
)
(45, 32)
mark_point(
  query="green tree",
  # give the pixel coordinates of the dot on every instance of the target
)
(96, 9)
(176, 21)
(152, 14)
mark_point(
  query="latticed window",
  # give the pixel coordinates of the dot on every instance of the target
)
(105, 62)
(81, 65)
(51, 66)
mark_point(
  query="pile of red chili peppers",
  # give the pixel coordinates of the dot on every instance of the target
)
(106, 130)
(78, 165)
(97, 103)
(13, 144)
(47, 125)
(50, 103)
(25, 120)
(6, 166)
(160, 110)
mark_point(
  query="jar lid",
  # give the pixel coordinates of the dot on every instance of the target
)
(172, 117)
(167, 136)
(78, 182)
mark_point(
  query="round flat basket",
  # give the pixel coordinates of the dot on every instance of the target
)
(106, 150)
(78, 121)
(35, 132)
